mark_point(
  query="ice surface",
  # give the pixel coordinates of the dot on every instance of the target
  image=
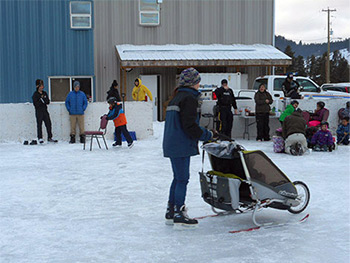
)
(59, 203)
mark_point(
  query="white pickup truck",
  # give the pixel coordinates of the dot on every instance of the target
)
(307, 88)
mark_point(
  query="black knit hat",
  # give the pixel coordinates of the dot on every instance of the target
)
(115, 83)
(39, 82)
(224, 81)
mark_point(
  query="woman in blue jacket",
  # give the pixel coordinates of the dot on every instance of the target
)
(76, 103)
(180, 142)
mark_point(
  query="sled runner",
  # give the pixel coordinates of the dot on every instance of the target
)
(243, 181)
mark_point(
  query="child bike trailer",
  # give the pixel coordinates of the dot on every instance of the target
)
(242, 181)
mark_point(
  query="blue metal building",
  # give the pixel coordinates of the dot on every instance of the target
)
(45, 39)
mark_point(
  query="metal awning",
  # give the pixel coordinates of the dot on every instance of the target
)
(131, 56)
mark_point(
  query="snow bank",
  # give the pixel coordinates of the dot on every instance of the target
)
(18, 121)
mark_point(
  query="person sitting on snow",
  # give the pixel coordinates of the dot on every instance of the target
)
(323, 139)
(343, 132)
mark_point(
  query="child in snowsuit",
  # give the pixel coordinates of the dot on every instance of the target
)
(343, 132)
(116, 113)
(323, 139)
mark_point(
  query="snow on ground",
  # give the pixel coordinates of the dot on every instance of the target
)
(59, 203)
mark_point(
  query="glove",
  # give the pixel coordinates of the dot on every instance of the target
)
(215, 135)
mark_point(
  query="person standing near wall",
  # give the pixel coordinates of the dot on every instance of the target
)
(113, 92)
(40, 101)
(226, 100)
(140, 91)
(180, 142)
(76, 104)
(263, 100)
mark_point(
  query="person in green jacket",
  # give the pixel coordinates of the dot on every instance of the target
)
(289, 110)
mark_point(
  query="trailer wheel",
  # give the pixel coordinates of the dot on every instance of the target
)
(303, 197)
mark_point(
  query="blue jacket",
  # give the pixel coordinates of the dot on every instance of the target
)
(341, 129)
(182, 130)
(76, 102)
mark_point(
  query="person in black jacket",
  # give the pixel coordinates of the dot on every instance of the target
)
(40, 101)
(263, 100)
(226, 100)
(290, 87)
(181, 135)
(113, 91)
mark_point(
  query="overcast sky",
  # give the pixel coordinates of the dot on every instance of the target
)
(304, 20)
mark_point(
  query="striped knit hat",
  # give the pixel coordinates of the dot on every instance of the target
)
(189, 77)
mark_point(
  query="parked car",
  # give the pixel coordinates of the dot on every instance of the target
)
(307, 87)
(340, 87)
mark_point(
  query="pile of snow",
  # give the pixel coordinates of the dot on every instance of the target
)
(62, 204)
(345, 54)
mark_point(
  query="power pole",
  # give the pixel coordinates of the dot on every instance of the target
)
(328, 71)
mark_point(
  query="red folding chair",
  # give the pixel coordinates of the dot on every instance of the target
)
(100, 133)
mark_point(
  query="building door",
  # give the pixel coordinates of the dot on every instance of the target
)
(152, 83)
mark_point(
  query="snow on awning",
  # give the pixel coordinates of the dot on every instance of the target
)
(200, 55)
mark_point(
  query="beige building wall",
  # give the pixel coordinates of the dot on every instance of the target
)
(181, 22)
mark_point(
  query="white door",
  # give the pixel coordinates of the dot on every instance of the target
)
(151, 82)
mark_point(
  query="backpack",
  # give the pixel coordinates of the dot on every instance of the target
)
(278, 144)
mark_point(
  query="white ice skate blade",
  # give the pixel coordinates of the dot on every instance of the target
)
(182, 226)
(169, 222)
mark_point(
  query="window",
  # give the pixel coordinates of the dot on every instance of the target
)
(149, 12)
(258, 82)
(277, 84)
(59, 87)
(80, 15)
(307, 85)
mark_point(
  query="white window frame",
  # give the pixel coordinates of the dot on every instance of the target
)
(149, 12)
(70, 85)
(80, 15)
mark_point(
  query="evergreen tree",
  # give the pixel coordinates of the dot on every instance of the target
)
(289, 52)
(339, 68)
(299, 66)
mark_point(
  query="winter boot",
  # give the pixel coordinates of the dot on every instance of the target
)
(52, 140)
(317, 148)
(169, 215)
(299, 149)
(72, 138)
(82, 138)
(116, 144)
(181, 219)
(293, 150)
(33, 142)
(41, 141)
(130, 145)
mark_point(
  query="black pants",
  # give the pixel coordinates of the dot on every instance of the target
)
(118, 135)
(262, 125)
(225, 121)
(43, 115)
